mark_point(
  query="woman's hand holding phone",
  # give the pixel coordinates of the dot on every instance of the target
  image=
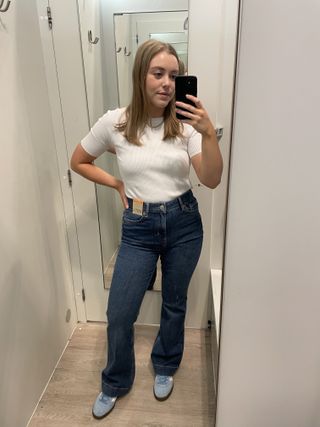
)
(190, 109)
(208, 164)
(196, 115)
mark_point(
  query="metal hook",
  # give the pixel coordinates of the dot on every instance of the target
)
(6, 7)
(125, 52)
(95, 41)
(186, 24)
(118, 50)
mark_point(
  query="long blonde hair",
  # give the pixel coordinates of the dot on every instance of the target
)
(136, 115)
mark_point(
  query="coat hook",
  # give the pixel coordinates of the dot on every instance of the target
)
(95, 41)
(6, 7)
(125, 52)
(118, 50)
(186, 24)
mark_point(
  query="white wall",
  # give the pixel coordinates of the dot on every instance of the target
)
(224, 17)
(35, 281)
(270, 350)
(202, 62)
(212, 47)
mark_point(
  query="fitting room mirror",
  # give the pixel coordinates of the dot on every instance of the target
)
(110, 37)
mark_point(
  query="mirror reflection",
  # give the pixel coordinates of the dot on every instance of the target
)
(129, 30)
(132, 29)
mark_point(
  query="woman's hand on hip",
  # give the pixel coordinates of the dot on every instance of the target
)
(120, 188)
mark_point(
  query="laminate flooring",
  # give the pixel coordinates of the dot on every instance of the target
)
(75, 384)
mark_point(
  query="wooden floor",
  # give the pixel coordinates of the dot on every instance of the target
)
(76, 382)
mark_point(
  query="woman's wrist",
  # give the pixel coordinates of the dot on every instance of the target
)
(210, 132)
(118, 185)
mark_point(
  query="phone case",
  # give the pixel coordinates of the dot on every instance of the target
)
(185, 85)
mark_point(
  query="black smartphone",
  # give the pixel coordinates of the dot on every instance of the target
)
(185, 85)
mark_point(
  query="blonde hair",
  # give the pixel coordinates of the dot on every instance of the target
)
(136, 115)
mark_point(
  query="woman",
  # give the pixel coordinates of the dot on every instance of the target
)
(161, 217)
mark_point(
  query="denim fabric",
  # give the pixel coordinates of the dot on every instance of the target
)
(173, 231)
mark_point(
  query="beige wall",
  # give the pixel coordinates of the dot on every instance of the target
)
(35, 281)
(269, 362)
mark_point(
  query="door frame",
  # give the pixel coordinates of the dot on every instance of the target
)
(68, 104)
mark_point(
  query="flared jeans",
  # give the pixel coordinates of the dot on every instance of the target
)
(172, 231)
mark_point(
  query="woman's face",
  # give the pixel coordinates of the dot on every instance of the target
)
(159, 84)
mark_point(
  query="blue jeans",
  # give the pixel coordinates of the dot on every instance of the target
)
(173, 231)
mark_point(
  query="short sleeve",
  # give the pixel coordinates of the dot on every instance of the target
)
(194, 143)
(100, 137)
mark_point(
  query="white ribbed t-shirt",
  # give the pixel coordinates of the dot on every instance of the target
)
(156, 171)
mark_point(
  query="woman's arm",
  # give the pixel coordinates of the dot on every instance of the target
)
(208, 164)
(82, 163)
